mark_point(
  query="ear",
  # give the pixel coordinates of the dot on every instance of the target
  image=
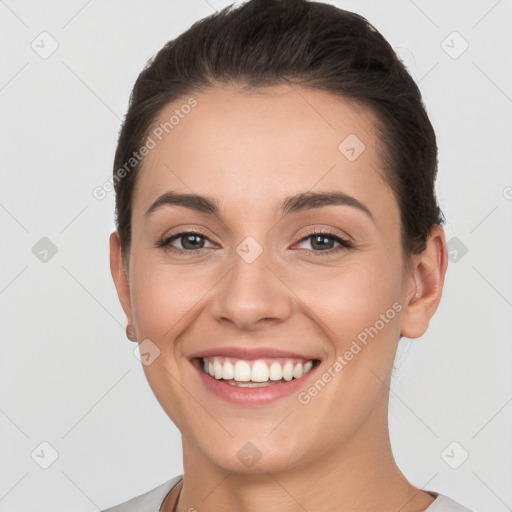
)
(120, 275)
(424, 284)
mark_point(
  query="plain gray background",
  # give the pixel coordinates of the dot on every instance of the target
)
(68, 375)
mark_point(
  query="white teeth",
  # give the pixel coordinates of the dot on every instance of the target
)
(218, 369)
(259, 372)
(242, 371)
(255, 373)
(288, 371)
(276, 371)
(297, 371)
(229, 371)
(249, 384)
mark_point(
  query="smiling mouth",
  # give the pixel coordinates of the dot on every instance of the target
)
(255, 373)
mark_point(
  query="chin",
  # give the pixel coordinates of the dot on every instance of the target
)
(255, 454)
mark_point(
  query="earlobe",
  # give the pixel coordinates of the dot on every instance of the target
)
(425, 285)
(119, 275)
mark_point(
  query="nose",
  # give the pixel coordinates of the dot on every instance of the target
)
(251, 296)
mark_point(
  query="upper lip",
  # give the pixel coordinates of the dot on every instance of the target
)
(250, 354)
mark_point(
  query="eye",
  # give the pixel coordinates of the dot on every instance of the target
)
(324, 241)
(190, 242)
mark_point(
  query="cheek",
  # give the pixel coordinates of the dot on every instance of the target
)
(164, 296)
(165, 300)
(348, 299)
(359, 311)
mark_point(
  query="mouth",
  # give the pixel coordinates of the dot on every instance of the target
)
(255, 373)
(254, 381)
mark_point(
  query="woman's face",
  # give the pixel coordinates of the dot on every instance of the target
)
(271, 276)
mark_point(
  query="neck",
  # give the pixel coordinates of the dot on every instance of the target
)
(360, 474)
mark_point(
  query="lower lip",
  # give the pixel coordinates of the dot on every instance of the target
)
(252, 396)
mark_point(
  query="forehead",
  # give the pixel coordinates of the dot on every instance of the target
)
(263, 145)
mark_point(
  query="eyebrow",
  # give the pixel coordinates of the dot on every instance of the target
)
(292, 204)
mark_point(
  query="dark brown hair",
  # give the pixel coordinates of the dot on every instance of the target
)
(311, 44)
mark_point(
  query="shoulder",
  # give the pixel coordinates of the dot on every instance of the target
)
(149, 501)
(444, 504)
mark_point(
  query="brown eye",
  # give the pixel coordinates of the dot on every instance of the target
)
(325, 242)
(187, 242)
(322, 242)
(192, 241)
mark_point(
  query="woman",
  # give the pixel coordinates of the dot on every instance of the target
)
(277, 234)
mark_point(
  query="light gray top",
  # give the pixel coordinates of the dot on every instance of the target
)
(151, 501)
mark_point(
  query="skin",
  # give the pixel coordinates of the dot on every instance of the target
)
(251, 151)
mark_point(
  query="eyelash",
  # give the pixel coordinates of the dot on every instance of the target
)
(344, 243)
